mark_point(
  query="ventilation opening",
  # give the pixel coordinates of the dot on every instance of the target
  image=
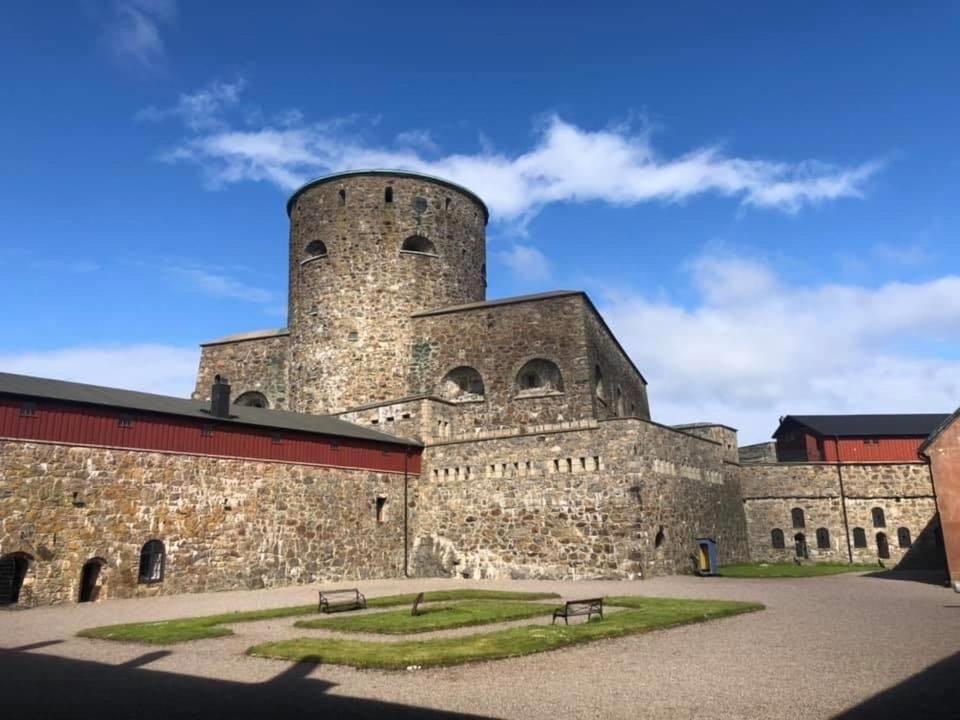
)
(381, 507)
(388, 195)
(418, 244)
(661, 536)
(343, 197)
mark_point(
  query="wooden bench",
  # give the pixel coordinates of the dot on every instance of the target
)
(572, 608)
(333, 600)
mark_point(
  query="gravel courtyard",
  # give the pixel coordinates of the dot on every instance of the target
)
(849, 646)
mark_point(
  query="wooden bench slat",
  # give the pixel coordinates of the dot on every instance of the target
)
(573, 608)
(327, 601)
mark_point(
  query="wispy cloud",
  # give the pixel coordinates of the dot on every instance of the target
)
(133, 30)
(752, 347)
(162, 369)
(202, 110)
(526, 264)
(421, 139)
(221, 285)
(566, 163)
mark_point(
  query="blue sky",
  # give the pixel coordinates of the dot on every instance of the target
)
(762, 200)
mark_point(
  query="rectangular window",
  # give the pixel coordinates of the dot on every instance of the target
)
(381, 504)
(206, 430)
(125, 421)
(334, 444)
(28, 409)
(276, 439)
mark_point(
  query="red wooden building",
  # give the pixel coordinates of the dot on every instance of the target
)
(854, 438)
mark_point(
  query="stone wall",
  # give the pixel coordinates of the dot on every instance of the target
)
(619, 389)
(226, 523)
(626, 498)
(765, 452)
(350, 308)
(258, 364)
(902, 491)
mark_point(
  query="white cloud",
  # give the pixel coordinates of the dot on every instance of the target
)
(162, 369)
(526, 264)
(753, 347)
(417, 139)
(133, 30)
(221, 285)
(202, 110)
(566, 163)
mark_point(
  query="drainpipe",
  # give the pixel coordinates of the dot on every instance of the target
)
(406, 508)
(843, 500)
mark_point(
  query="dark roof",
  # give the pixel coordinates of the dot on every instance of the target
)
(389, 173)
(947, 422)
(34, 387)
(251, 335)
(915, 425)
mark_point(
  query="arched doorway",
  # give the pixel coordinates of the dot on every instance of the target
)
(883, 548)
(13, 569)
(89, 576)
(800, 545)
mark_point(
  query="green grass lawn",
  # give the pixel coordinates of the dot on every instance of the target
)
(166, 632)
(790, 570)
(641, 615)
(432, 617)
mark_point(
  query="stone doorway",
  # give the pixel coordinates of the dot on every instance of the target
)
(89, 580)
(883, 547)
(800, 546)
(13, 569)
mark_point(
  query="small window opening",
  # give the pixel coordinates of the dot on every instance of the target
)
(343, 197)
(381, 505)
(276, 439)
(883, 548)
(206, 430)
(777, 539)
(903, 537)
(28, 409)
(859, 538)
(152, 556)
(418, 244)
(446, 204)
(334, 444)
(879, 520)
(661, 536)
(796, 515)
(388, 195)
(823, 539)
(125, 421)
(315, 249)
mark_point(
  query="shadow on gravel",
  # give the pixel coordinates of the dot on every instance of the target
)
(930, 577)
(931, 694)
(44, 686)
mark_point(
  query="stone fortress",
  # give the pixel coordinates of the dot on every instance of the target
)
(404, 424)
(541, 458)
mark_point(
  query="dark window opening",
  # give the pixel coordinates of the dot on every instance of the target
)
(381, 505)
(598, 382)
(152, 557)
(418, 244)
(13, 571)
(28, 409)
(446, 204)
(462, 383)
(777, 539)
(125, 421)
(334, 444)
(343, 197)
(796, 515)
(276, 439)
(206, 430)
(252, 399)
(903, 537)
(859, 538)
(823, 539)
(883, 548)
(388, 195)
(879, 520)
(661, 536)
(315, 249)
(539, 375)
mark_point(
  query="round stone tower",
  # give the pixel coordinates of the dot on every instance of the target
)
(367, 250)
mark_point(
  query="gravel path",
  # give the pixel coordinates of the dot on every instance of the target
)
(822, 647)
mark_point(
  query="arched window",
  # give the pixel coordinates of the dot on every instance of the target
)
(796, 515)
(538, 377)
(418, 244)
(462, 383)
(800, 545)
(661, 536)
(823, 539)
(388, 195)
(13, 570)
(776, 539)
(903, 537)
(878, 519)
(315, 249)
(152, 558)
(252, 399)
(859, 538)
(598, 388)
(619, 401)
(883, 548)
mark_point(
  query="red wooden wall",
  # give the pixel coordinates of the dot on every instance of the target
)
(881, 449)
(98, 426)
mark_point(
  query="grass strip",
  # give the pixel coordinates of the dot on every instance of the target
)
(433, 617)
(643, 615)
(166, 632)
(790, 570)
